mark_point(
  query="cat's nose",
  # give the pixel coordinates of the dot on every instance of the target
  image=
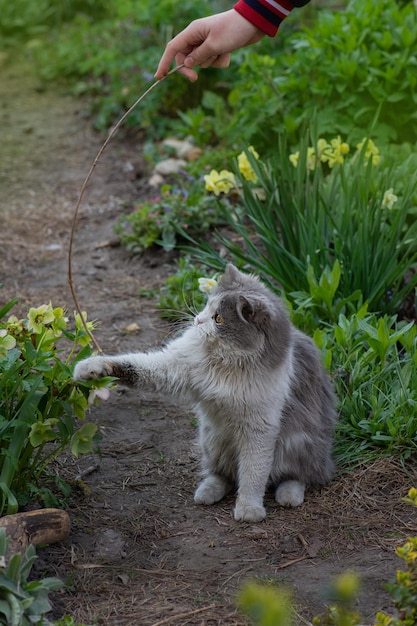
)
(197, 320)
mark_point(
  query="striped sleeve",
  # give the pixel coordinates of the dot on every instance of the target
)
(267, 15)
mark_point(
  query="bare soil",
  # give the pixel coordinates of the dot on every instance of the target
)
(140, 551)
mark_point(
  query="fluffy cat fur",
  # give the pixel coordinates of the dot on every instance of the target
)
(264, 402)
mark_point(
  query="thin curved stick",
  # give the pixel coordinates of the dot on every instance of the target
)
(81, 194)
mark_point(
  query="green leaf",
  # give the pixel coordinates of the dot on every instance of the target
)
(41, 432)
(82, 440)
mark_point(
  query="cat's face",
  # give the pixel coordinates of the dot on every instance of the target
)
(243, 316)
(229, 318)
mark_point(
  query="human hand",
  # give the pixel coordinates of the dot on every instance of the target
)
(208, 42)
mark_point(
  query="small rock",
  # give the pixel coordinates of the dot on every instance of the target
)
(131, 328)
(110, 546)
(156, 180)
(193, 154)
(169, 166)
(181, 147)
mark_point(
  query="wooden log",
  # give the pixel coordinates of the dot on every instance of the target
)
(43, 526)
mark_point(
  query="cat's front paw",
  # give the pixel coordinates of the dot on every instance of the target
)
(92, 368)
(247, 512)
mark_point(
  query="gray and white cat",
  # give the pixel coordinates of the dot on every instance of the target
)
(265, 404)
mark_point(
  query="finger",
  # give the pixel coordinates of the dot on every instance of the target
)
(172, 52)
(189, 73)
(164, 64)
(222, 61)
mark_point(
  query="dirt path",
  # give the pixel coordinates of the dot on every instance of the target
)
(140, 552)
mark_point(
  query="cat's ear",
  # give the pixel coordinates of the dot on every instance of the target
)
(251, 310)
(231, 274)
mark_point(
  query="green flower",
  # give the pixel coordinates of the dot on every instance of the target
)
(7, 342)
(40, 317)
(41, 432)
(82, 336)
(15, 326)
(60, 321)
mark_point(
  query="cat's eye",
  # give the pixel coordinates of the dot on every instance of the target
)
(219, 319)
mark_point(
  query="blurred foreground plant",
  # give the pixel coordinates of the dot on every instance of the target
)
(39, 401)
(22, 603)
(266, 606)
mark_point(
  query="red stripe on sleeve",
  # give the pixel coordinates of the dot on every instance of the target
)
(255, 18)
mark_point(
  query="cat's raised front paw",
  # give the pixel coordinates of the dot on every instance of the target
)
(252, 513)
(92, 368)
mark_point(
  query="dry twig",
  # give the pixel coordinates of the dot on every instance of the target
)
(81, 194)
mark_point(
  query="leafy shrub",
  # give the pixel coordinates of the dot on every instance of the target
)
(113, 61)
(23, 18)
(374, 365)
(39, 401)
(159, 219)
(355, 67)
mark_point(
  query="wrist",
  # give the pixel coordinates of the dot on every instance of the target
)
(266, 15)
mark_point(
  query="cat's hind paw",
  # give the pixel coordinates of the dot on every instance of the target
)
(92, 368)
(212, 489)
(249, 512)
(290, 493)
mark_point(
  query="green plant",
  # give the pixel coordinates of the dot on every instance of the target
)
(158, 220)
(21, 19)
(39, 401)
(265, 605)
(324, 223)
(113, 60)
(181, 295)
(355, 67)
(374, 365)
(22, 602)
(67, 620)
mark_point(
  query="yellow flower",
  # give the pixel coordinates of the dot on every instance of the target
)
(206, 285)
(371, 152)
(334, 152)
(322, 146)
(389, 199)
(244, 165)
(339, 145)
(220, 182)
(294, 158)
(311, 158)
